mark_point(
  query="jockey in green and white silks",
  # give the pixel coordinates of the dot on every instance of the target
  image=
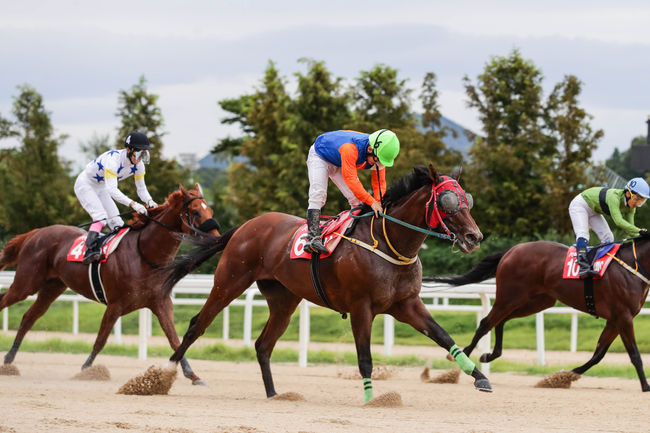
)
(587, 209)
(96, 188)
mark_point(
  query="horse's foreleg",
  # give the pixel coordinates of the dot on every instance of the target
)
(627, 335)
(282, 303)
(413, 312)
(111, 315)
(164, 311)
(361, 322)
(45, 297)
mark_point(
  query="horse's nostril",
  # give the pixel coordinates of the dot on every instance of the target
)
(474, 238)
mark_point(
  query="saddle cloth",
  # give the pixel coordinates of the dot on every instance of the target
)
(110, 243)
(339, 224)
(600, 264)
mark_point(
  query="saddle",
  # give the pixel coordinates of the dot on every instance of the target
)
(343, 223)
(108, 243)
(597, 256)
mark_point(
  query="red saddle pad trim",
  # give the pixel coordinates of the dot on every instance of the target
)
(571, 268)
(330, 240)
(78, 248)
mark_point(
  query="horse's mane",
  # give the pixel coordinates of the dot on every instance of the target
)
(404, 186)
(139, 221)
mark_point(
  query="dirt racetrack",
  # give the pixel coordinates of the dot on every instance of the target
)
(45, 399)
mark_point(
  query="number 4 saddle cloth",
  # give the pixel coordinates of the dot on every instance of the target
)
(328, 234)
(600, 259)
(109, 244)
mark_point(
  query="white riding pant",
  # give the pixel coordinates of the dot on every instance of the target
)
(319, 172)
(583, 218)
(96, 200)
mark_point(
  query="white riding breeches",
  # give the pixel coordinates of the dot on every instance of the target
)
(319, 172)
(583, 218)
(96, 200)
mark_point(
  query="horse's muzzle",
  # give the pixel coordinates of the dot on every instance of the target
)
(470, 241)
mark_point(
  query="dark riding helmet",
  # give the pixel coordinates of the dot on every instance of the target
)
(137, 140)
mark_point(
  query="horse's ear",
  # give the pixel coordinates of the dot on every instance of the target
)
(456, 173)
(182, 189)
(433, 174)
(197, 188)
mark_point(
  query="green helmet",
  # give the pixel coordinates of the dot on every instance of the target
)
(385, 145)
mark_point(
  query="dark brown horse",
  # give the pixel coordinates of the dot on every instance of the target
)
(529, 280)
(354, 279)
(129, 278)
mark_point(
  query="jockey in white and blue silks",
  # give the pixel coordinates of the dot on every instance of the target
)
(96, 188)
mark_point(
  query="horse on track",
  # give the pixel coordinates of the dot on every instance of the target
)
(129, 278)
(529, 280)
(354, 279)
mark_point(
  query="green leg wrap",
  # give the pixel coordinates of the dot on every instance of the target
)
(465, 363)
(367, 389)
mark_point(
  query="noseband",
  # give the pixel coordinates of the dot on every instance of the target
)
(205, 226)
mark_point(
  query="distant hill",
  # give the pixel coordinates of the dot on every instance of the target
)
(460, 143)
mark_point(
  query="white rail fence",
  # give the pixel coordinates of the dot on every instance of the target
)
(437, 297)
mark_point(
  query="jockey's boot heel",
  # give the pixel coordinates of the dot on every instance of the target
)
(93, 251)
(314, 242)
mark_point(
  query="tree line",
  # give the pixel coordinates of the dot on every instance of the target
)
(531, 157)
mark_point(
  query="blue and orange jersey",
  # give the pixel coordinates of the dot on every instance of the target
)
(349, 150)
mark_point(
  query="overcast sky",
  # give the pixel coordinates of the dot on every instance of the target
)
(80, 54)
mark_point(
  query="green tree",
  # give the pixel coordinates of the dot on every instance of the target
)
(35, 188)
(620, 163)
(95, 145)
(573, 143)
(138, 111)
(509, 163)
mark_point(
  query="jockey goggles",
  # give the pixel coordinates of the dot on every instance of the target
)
(142, 155)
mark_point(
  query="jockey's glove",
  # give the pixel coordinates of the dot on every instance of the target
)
(644, 232)
(139, 208)
(151, 203)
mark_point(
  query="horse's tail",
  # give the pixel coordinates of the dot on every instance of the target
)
(486, 268)
(206, 247)
(9, 254)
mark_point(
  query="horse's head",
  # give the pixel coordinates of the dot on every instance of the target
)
(194, 212)
(448, 210)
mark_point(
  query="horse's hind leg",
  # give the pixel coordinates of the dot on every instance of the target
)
(111, 315)
(231, 280)
(164, 311)
(627, 335)
(604, 341)
(51, 290)
(413, 312)
(282, 303)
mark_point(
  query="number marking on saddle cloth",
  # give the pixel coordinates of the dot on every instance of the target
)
(330, 239)
(572, 269)
(78, 248)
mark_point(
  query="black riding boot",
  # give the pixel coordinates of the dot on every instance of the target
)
(585, 265)
(93, 250)
(314, 242)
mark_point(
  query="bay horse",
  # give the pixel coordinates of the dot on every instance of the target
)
(129, 275)
(354, 279)
(529, 280)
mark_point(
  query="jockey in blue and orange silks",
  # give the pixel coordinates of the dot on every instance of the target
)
(338, 155)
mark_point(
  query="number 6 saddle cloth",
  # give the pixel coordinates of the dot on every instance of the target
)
(340, 224)
(600, 259)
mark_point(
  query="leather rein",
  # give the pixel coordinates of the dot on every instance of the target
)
(204, 227)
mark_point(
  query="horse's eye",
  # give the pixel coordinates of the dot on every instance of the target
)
(448, 201)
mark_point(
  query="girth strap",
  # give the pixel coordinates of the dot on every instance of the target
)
(96, 282)
(315, 279)
(589, 296)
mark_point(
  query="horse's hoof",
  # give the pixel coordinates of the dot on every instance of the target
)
(199, 382)
(483, 385)
(450, 358)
